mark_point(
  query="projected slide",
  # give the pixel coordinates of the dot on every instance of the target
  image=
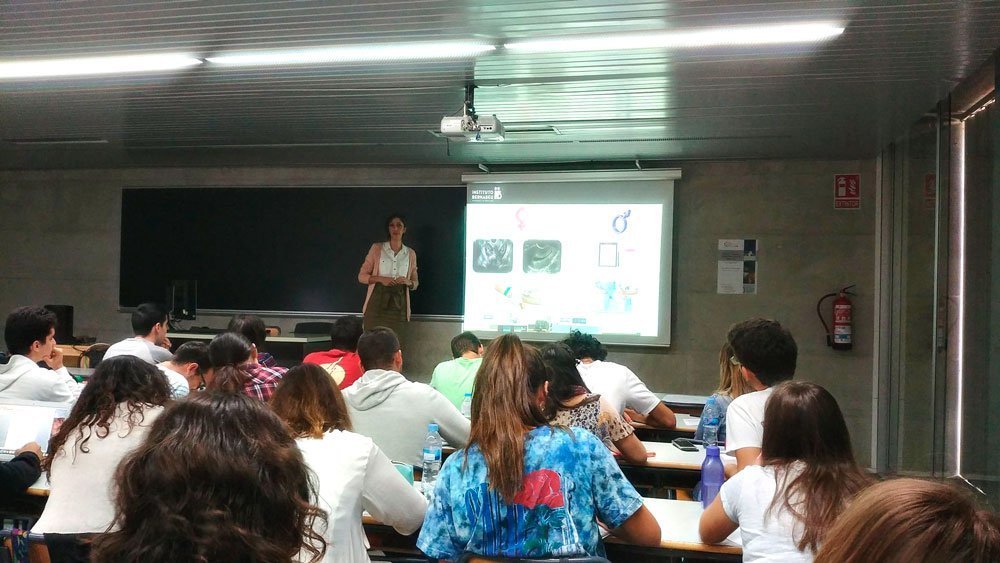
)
(555, 267)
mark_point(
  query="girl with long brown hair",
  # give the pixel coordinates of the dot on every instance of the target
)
(522, 488)
(807, 475)
(218, 478)
(110, 419)
(353, 475)
(913, 521)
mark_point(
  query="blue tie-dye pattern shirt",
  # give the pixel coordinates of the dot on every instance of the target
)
(570, 481)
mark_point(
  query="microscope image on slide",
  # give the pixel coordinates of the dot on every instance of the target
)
(493, 256)
(542, 256)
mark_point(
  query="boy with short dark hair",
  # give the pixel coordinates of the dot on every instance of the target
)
(454, 378)
(766, 354)
(30, 336)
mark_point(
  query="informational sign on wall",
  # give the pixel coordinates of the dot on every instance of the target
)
(737, 266)
(847, 191)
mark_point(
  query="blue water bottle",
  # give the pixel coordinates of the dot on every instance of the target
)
(713, 474)
(712, 417)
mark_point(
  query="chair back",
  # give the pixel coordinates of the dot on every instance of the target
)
(61, 548)
(93, 355)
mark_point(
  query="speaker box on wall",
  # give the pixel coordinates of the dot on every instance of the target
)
(64, 322)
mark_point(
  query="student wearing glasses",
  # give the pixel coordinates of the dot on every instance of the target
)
(731, 385)
(766, 354)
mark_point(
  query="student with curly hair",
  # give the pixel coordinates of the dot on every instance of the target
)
(616, 383)
(115, 411)
(218, 478)
(784, 507)
(353, 474)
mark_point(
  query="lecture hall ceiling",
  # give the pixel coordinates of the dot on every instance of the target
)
(841, 98)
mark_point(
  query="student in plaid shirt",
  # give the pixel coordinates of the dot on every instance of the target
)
(234, 360)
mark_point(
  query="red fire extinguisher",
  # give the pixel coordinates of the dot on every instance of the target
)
(842, 337)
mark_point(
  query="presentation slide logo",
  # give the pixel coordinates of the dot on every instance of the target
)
(486, 195)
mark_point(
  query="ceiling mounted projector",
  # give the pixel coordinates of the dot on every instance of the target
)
(469, 128)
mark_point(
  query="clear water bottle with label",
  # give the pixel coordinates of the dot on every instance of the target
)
(712, 417)
(713, 474)
(467, 406)
(432, 458)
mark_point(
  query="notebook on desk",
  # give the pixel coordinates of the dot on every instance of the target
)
(28, 421)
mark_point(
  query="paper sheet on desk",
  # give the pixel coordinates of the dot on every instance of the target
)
(690, 421)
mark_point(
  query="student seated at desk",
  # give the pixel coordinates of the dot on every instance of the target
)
(569, 403)
(616, 383)
(110, 419)
(30, 336)
(913, 521)
(235, 367)
(522, 488)
(252, 328)
(784, 507)
(454, 378)
(731, 385)
(191, 365)
(766, 354)
(393, 411)
(217, 478)
(341, 361)
(352, 473)
(150, 324)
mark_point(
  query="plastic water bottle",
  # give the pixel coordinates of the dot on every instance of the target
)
(712, 475)
(432, 457)
(712, 415)
(467, 406)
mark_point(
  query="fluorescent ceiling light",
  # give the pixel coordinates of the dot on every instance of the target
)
(712, 37)
(95, 65)
(357, 53)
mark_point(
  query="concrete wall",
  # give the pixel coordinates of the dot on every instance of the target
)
(61, 245)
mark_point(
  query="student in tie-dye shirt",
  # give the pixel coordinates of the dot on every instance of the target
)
(522, 488)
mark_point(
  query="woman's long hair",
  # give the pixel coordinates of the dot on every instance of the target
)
(504, 407)
(218, 478)
(309, 401)
(802, 423)
(122, 380)
(228, 353)
(731, 381)
(912, 520)
(563, 377)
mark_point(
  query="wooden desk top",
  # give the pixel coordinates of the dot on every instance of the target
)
(669, 457)
(678, 521)
(40, 488)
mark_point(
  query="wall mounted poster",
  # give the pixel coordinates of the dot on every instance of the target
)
(737, 267)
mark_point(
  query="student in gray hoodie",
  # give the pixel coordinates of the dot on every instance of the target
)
(30, 336)
(393, 411)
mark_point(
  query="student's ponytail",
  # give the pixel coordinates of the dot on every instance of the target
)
(228, 352)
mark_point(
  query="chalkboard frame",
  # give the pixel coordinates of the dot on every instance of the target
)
(243, 234)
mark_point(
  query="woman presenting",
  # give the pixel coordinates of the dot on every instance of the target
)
(390, 272)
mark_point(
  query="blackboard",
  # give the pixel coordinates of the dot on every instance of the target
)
(287, 249)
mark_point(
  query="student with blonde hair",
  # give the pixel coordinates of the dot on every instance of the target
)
(522, 488)
(731, 385)
(913, 521)
(353, 475)
(784, 507)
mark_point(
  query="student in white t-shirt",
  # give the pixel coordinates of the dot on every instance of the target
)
(616, 383)
(784, 507)
(150, 323)
(353, 475)
(766, 354)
